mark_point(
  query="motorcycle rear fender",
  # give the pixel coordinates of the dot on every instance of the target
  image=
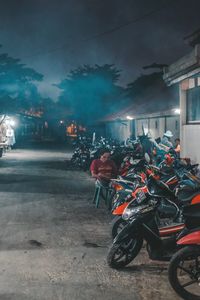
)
(126, 232)
(196, 199)
(190, 239)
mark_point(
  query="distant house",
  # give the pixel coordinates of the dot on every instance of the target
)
(186, 73)
(155, 109)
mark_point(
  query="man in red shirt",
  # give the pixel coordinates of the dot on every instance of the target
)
(103, 168)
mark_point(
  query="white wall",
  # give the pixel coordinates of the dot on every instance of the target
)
(190, 143)
(173, 124)
(120, 130)
(158, 126)
(140, 124)
(190, 133)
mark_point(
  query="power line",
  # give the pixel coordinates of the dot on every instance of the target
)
(148, 14)
(106, 32)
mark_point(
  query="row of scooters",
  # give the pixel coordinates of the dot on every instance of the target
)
(158, 206)
(87, 150)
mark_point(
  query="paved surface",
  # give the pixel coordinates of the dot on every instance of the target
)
(53, 242)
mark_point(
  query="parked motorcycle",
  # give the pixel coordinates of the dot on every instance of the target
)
(184, 267)
(81, 156)
(163, 186)
(142, 225)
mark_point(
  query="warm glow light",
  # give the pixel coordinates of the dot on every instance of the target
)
(146, 130)
(177, 111)
(129, 117)
(10, 122)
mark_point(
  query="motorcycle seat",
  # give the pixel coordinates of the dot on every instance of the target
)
(191, 215)
(166, 177)
(187, 190)
(160, 189)
(188, 195)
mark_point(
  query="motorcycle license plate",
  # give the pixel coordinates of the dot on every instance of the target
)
(140, 196)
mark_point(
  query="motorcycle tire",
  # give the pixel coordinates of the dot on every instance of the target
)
(126, 251)
(117, 225)
(73, 160)
(183, 255)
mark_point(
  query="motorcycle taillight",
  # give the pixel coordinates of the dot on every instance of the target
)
(117, 186)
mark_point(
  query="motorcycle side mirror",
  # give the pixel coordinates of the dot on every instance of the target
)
(147, 158)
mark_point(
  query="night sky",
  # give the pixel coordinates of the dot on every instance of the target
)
(55, 36)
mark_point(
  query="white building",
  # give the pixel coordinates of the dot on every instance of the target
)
(156, 124)
(154, 110)
(186, 72)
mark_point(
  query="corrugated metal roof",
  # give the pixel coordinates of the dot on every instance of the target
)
(157, 100)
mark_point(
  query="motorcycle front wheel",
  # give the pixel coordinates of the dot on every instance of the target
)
(120, 255)
(117, 225)
(184, 273)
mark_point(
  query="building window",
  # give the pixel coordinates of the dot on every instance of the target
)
(193, 105)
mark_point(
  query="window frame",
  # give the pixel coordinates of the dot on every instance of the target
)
(187, 107)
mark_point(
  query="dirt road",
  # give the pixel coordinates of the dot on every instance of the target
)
(53, 242)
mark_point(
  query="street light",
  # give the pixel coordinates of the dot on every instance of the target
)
(129, 118)
(10, 122)
(177, 111)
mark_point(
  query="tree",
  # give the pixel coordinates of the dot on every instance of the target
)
(149, 93)
(90, 92)
(144, 83)
(17, 84)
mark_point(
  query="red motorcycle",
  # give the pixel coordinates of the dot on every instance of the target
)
(185, 194)
(184, 267)
(124, 195)
(142, 226)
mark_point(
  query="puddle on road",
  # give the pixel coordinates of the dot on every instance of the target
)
(153, 269)
(93, 245)
(35, 243)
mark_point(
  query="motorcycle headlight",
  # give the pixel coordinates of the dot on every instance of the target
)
(131, 211)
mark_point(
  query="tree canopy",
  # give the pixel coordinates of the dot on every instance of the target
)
(18, 90)
(91, 92)
(142, 83)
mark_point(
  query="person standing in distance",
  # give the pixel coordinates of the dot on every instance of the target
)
(166, 139)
